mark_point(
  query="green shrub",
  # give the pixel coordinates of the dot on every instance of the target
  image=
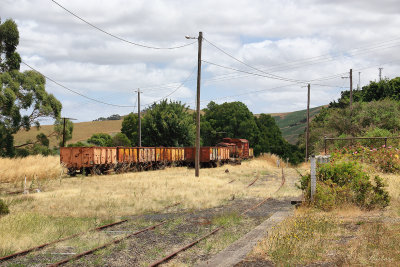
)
(345, 182)
(3, 208)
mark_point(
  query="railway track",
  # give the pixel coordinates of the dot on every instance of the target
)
(198, 224)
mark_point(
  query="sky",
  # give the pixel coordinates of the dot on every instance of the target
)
(260, 52)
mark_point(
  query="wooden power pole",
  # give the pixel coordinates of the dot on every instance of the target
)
(197, 156)
(63, 141)
(140, 120)
(308, 121)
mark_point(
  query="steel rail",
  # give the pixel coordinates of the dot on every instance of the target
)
(115, 241)
(8, 257)
(185, 247)
(250, 184)
(24, 252)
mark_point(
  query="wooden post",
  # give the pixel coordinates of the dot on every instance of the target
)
(197, 156)
(313, 177)
(63, 141)
(308, 121)
(140, 121)
(325, 144)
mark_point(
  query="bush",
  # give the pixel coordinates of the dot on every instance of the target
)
(3, 208)
(345, 182)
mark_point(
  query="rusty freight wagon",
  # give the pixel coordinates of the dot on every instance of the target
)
(242, 147)
(94, 160)
(209, 156)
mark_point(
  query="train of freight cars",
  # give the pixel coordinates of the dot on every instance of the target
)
(101, 160)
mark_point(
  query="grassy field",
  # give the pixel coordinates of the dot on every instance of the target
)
(82, 131)
(69, 205)
(347, 236)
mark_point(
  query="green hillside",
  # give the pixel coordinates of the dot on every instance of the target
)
(294, 123)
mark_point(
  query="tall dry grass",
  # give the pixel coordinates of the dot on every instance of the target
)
(131, 193)
(39, 167)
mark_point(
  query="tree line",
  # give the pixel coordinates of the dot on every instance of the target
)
(375, 113)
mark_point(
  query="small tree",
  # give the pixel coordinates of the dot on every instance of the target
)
(121, 139)
(101, 139)
(130, 128)
(23, 98)
(168, 124)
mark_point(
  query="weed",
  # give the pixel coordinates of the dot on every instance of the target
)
(339, 183)
(297, 240)
(3, 208)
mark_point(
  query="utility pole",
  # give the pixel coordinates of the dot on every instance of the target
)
(140, 120)
(197, 154)
(359, 81)
(63, 134)
(308, 121)
(63, 142)
(380, 74)
(197, 158)
(351, 89)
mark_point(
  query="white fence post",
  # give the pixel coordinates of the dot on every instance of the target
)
(313, 176)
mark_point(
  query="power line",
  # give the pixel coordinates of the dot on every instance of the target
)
(75, 92)
(255, 74)
(314, 60)
(120, 38)
(244, 63)
(176, 89)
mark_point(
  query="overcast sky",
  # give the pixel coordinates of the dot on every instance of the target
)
(303, 40)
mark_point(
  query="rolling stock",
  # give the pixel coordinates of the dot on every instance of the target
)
(100, 160)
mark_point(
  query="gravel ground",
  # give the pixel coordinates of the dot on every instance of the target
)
(180, 229)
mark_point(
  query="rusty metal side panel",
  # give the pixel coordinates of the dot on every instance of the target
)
(173, 154)
(189, 154)
(113, 155)
(251, 152)
(245, 147)
(152, 153)
(140, 154)
(168, 154)
(134, 154)
(205, 154)
(120, 154)
(158, 154)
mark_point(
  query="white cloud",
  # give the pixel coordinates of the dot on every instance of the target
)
(272, 35)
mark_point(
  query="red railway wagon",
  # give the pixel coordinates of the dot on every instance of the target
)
(242, 146)
(232, 148)
(208, 155)
(88, 159)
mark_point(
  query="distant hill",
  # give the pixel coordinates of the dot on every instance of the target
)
(294, 123)
(82, 131)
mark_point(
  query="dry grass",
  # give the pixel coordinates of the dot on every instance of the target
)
(82, 131)
(14, 170)
(345, 236)
(131, 193)
(82, 201)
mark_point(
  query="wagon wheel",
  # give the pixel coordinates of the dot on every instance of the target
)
(71, 172)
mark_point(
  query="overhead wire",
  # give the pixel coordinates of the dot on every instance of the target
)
(310, 61)
(75, 92)
(176, 89)
(117, 37)
(244, 63)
